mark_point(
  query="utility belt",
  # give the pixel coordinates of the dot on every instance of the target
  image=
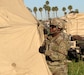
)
(55, 61)
(49, 59)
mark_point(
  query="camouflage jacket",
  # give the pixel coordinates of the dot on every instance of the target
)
(56, 48)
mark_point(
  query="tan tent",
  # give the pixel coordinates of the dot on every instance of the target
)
(19, 41)
(75, 24)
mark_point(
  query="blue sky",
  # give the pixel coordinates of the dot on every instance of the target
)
(77, 4)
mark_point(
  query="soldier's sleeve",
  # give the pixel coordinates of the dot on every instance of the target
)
(62, 51)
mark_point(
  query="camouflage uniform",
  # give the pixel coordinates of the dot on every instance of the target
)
(56, 51)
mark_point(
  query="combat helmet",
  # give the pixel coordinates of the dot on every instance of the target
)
(58, 23)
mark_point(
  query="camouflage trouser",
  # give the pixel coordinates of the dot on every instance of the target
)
(58, 69)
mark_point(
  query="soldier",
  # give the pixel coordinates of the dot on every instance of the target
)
(56, 49)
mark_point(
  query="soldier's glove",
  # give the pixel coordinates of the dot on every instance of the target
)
(42, 49)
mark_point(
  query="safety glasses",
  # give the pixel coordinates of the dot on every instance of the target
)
(52, 26)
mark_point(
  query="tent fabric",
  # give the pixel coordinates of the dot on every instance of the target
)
(75, 24)
(20, 41)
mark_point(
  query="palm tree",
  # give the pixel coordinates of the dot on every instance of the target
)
(56, 9)
(76, 11)
(53, 9)
(65, 13)
(64, 9)
(45, 8)
(48, 9)
(47, 2)
(70, 8)
(35, 11)
(29, 9)
(40, 9)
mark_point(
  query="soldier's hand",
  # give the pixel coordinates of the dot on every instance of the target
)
(48, 52)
